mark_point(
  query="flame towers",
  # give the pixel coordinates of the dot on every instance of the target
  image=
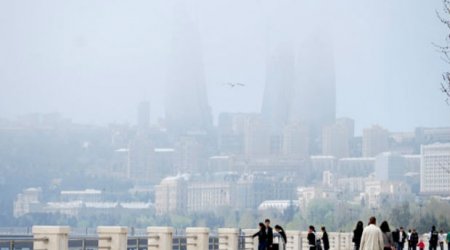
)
(300, 86)
(186, 107)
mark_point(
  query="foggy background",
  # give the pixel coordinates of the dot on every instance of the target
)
(93, 61)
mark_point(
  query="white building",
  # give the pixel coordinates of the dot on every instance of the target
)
(435, 169)
(278, 205)
(27, 201)
(207, 196)
(87, 195)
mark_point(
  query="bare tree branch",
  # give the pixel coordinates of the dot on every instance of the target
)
(445, 50)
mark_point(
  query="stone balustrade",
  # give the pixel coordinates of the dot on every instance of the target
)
(50, 237)
(197, 238)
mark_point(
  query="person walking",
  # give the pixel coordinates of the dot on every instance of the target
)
(421, 245)
(414, 239)
(441, 239)
(269, 234)
(311, 238)
(395, 236)
(372, 237)
(434, 238)
(357, 233)
(262, 237)
(325, 240)
(408, 234)
(388, 241)
(448, 240)
(402, 237)
(280, 238)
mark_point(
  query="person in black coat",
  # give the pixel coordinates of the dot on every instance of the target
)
(434, 238)
(311, 238)
(414, 239)
(396, 237)
(262, 237)
(269, 234)
(357, 234)
(326, 242)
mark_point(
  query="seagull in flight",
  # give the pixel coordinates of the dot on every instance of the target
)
(235, 84)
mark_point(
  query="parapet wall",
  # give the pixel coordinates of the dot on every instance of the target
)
(161, 238)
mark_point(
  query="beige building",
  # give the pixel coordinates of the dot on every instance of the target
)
(171, 195)
(295, 141)
(336, 138)
(256, 138)
(375, 140)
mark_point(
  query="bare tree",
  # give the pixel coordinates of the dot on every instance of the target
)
(445, 49)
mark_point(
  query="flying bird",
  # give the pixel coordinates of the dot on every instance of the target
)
(235, 84)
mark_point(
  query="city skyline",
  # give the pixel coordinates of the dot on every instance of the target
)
(108, 74)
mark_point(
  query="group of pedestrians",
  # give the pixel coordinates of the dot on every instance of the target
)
(373, 237)
(268, 239)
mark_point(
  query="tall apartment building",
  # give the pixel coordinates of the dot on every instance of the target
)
(375, 141)
(435, 169)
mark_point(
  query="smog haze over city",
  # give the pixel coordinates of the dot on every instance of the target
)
(223, 113)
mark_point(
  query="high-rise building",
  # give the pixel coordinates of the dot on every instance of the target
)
(314, 94)
(143, 117)
(435, 169)
(189, 155)
(296, 141)
(280, 78)
(336, 138)
(375, 141)
(390, 167)
(256, 138)
(140, 153)
(356, 167)
(424, 136)
(186, 107)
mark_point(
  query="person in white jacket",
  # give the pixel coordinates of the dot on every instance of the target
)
(372, 237)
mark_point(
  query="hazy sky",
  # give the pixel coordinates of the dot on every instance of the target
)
(94, 60)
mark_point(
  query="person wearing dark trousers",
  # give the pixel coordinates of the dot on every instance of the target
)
(402, 237)
(325, 241)
(414, 239)
(262, 237)
(409, 238)
(269, 234)
(281, 237)
(396, 237)
(357, 233)
(434, 238)
(311, 238)
(448, 240)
